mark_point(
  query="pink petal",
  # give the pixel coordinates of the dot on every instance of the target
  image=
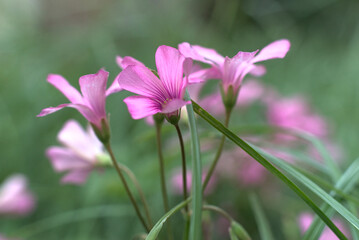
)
(84, 110)
(114, 88)
(169, 64)
(201, 54)
(73, 136)
(258, 71)
(63, 159)
(127, 61)
(93, 88)
(76, 177)
(63, 86)
(276, 49)
(174, 105)
(140, 107)
(142, 81)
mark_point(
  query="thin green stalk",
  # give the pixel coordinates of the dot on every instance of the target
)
(128, 191)
(218, 210)
(133, 178)
(218, 154)
(163, 178)
(196, 216)
(184, 168)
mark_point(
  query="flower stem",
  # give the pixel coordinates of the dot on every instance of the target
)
(120, 174)
(163, 178)
(184, 169)
(132, 176)
(218, 154)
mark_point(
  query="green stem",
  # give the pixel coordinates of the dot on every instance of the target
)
(218, 154)
(184, 168)
(163, 178)
(218, 210)
(133, 178)
(120, 174)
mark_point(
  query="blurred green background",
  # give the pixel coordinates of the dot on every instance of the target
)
(74, 38)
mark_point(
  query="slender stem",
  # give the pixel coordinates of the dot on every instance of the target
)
(218, 154)
(184, 169)
(120, 174)
(218, 210)
(163, 178)
(133, 178)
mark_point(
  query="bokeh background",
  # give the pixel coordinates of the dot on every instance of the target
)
(74, 38)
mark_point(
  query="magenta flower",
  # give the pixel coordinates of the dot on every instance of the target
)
(91, 104)
(80, 154)
(306, 219)
(232, 70)
(15, 198)
(295, 113)
(156, 95)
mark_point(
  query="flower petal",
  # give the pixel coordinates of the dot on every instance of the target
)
(63, 86)
(174, 105)
(73, 136)
(127, 61)
(76, 177)
(93, 88)
(201, 54)
(276, 49)
(169, 62)
(142, 81)
(140, 107)
(63, 159)
(114, 88)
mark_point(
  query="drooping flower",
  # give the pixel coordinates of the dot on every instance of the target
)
(232, 70)
(91, 103)
(306, 219)
(80, 154)
(15, 198)
(162, 94)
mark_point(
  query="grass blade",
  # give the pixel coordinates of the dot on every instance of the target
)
(265, 163)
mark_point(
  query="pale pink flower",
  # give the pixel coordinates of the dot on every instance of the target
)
(15, 198)
(79, 154)
(156, 95)
(177, 182)
(91, 104)
(295, 113)
(306, 219)
(232, 70)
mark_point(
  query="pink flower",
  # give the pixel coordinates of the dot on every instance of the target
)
(15, 198)
(91, 104)
(306, 219)
(295, 113)
(177, 182)
(79, 155)
(156, 95)
(232, 70)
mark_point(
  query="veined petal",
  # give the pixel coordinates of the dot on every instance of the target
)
(93, 88)
(114, 88)
(127, 61)
(140, 107)
(80, 141)
(169, 62)
(63, 159)
(84, 110)
(201, 54)
(76, 177)
(174, 105)
(276, 49)
(63, 86)
(142, 81)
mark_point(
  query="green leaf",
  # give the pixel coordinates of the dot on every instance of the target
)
(158, 226)
(262, 222)
(265, 163)
(196, 217)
